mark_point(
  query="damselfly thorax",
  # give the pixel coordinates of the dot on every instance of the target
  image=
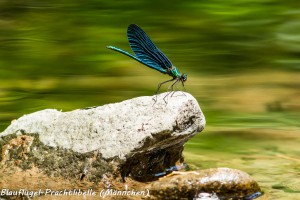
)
(174, 72)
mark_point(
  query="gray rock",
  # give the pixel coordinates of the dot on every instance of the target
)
(144, 138)
(115, 129)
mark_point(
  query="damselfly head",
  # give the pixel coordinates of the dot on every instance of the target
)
(183, 77)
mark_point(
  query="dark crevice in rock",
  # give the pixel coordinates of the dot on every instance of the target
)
(143, 166)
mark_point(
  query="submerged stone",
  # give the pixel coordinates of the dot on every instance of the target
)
(222, 183)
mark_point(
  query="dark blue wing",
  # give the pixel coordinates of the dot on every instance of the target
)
(153, 66)
(145, 50)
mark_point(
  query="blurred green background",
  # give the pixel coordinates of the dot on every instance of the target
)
(241, 57)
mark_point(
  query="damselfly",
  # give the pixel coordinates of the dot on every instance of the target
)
(148, 54)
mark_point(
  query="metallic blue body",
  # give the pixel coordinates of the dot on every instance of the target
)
(147, 53)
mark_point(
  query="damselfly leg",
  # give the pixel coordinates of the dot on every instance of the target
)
(179, 89)
(159, 86)
(170, 88)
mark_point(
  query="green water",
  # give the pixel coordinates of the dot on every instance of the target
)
(241, 57)
(273, 161)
